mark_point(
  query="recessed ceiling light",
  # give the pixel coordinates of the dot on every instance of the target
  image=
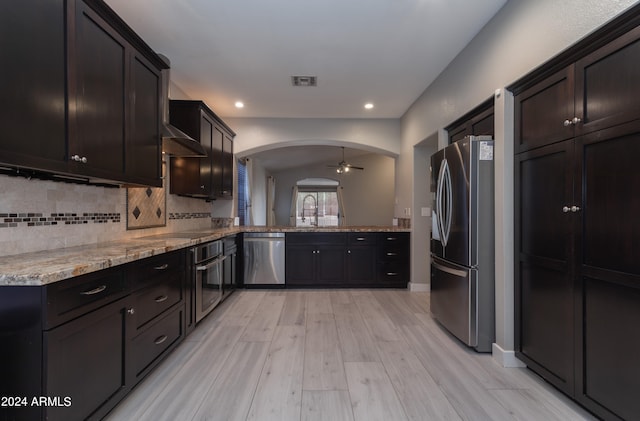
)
(368, 105)
(239, 104)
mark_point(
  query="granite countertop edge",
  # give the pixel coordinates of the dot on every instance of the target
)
(50, 266)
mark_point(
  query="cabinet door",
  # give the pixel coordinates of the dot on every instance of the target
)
(98, 97)
(544, 282)
(609, 271)
(227, 167)
(542, 110)
(33, 84)
(483, 124)
(216, 160)
(143, 150)
(85, 361)
(331, 264)
(607, 84)
(208, 141)
(300, 265)
(361, 265)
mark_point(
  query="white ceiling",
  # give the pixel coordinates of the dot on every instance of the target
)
(381, 51)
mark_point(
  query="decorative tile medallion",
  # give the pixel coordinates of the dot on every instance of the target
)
(146, 207)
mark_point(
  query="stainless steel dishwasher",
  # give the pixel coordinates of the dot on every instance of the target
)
(263, 258)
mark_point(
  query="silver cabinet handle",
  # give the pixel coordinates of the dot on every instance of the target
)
(160, 339)
(360, 239)
(573, 209)
(94, 291)
(392, 254)
(131, 311)
(162, 267)
(78, 158)
(573, 121)
(391, 238)
(392, 273)
(161, 298)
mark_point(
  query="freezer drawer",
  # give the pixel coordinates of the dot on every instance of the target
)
(462, 301)
(453, 304)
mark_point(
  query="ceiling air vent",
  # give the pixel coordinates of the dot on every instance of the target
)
(304, 80)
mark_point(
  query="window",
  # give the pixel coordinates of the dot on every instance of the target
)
(317, 203)
(242, 192)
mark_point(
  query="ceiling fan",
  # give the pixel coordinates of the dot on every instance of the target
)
(343, 166)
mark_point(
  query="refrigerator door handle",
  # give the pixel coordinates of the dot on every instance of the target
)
(452, 271)
(447, 186)
(439, 188)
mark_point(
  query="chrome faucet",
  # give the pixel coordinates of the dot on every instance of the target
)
(313, 209)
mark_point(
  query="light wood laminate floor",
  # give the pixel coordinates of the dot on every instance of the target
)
(334, 355)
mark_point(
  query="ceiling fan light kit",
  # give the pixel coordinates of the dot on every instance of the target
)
(343, 166)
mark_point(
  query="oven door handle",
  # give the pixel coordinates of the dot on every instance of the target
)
(210, 264)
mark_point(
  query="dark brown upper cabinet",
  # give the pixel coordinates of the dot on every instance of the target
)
(33, 84)
(92, 86)
(477, 122)
(597, 91)
(209, 177)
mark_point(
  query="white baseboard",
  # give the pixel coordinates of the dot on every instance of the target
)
(419, 287)
(505, 358)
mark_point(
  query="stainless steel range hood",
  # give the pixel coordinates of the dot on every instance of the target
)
(175, 142)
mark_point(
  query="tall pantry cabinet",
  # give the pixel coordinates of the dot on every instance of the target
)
(577, 234)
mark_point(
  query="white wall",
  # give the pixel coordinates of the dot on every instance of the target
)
(523, 35)
(368, 194)
(258, 134)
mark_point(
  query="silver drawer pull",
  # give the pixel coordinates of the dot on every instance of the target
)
(391, 238)
(162, 267)
(392, 273)
(161, 298)
(392, 254)
(160, 339)
(94, 291)
(360, 239)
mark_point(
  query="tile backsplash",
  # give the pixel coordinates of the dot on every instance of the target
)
(40, 215)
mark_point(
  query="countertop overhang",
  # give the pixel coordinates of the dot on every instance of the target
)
(49, 266)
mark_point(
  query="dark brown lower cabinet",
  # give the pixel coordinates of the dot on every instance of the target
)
(85, 364)
(577, 267)
(315, 259)
(353, 259)
(78, 346)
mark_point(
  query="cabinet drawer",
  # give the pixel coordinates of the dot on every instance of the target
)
(393, 244)
(149, 346)
(157, 269)
(361, 238)
(316, 238)
(74, 297)
(393, 274)
(153, 300)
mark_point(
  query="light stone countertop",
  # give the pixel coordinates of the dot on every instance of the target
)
(49, 266)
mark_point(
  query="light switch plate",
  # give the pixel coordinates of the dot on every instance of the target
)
(425, 211)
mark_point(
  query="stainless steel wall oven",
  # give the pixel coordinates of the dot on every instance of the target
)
(209, 277)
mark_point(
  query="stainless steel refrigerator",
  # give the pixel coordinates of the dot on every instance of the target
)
(462, 241)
